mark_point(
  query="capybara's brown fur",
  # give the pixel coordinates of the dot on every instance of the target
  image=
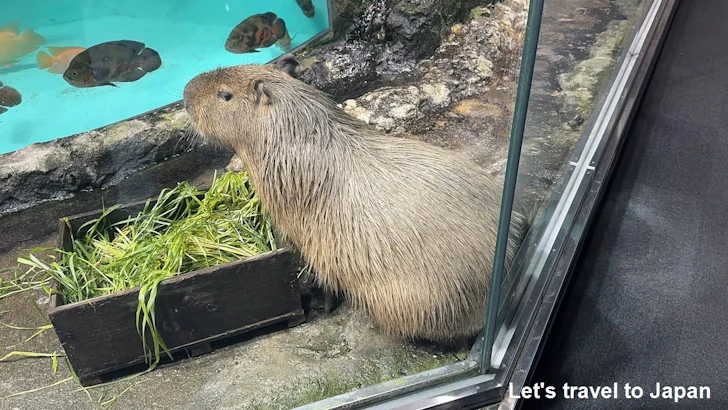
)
(403, 229)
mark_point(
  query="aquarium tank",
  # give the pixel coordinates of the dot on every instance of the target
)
(74, 66)
(124, 231)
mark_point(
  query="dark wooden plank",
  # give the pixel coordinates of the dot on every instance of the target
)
(62, 242)
(99, 334)
(296, 320)
(87, 381)
(199, 349)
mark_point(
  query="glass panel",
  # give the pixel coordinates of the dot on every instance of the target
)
(580, 47)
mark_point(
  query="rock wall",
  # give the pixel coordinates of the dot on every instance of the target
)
(473, 58)
(463, 99)
(380, 42)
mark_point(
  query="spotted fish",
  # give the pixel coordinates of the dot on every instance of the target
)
(258, 31)
(307, 8)
(110, 62)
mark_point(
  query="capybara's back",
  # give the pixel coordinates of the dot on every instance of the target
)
(411, 238)
(403, 229)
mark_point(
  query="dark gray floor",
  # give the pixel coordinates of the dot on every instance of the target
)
(649, 299)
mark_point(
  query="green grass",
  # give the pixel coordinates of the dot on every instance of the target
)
(181, 232)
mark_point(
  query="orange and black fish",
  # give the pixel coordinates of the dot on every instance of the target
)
(9, 97)
(307, 8)
(14, 45)
(110, 62)
(258, 31)
(57, 59)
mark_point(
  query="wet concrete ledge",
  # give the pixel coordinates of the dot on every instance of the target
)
(101, 158)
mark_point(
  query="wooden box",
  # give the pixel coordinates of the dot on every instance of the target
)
(99, 335)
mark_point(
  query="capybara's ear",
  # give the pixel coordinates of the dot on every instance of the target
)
(261, 92)
(288, 64)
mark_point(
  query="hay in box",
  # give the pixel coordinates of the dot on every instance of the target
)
(184, 270)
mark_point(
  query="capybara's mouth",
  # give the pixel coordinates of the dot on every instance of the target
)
(191, 114)
(194, 119)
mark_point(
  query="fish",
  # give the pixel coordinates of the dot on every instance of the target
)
(14, 45)
(9, 97)
(58, 60)
(110, 62)
(258, 31)
(307, 8)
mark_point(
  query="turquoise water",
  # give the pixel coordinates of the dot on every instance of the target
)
(189, 35)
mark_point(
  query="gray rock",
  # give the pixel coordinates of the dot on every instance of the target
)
(95, 159)
(383, 44)
(235, 165)
(462, 67)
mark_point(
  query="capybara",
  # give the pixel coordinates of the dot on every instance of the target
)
(403, 229)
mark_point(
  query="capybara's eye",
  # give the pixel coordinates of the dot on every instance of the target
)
(225, 95)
